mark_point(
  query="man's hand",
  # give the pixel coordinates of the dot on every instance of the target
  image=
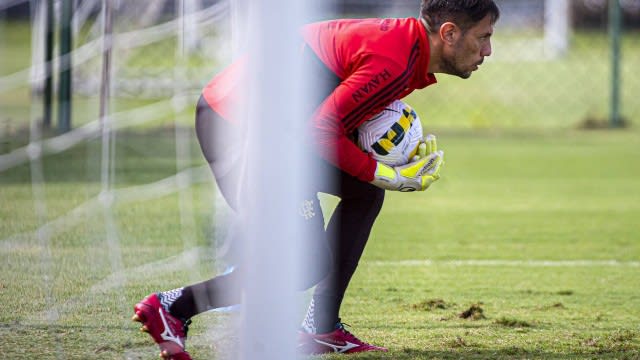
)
(417, 175)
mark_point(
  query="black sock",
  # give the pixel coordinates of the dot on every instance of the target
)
(218, 292)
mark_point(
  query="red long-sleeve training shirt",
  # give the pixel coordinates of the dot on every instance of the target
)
(377, 60)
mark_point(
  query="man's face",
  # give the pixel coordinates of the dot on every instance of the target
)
(469, 49)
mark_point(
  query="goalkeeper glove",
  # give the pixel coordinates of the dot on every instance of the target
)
(417, 175)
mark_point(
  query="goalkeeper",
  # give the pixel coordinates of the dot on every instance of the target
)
(361, 66)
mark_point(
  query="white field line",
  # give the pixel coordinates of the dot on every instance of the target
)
(507, 263)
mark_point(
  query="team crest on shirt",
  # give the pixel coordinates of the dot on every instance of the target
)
(306, 210)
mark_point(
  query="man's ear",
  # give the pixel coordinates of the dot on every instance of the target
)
(449, 33)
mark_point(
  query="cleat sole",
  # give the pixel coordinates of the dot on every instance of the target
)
(136, 318)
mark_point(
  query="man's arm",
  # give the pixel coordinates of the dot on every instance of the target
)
(365, 92)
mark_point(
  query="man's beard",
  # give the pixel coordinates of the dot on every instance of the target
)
(451, 67)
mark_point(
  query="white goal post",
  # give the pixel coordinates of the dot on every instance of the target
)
(270, 312)
(557, 30)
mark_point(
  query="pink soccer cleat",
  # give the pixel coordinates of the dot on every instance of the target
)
(338, 341)
(166, 330)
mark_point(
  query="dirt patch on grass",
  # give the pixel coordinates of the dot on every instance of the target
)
(474, 312)
(565, 292)
(554, 306)
(431, 305)
(514, 323)
(595, 123)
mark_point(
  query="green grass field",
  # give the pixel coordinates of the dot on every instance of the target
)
(533, 229)
(538, 230)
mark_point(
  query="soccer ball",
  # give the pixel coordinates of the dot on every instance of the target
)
(393, 135)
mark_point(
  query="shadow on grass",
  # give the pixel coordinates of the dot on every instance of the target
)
(506, 353)
(59, 328)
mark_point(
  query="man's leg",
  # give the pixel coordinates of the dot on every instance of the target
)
(350, 226)
(216, 138)
(348, 231)
(165, 315)
(222, 291)
(222, 147)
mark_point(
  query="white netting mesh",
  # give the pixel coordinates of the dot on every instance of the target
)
(146, 38)
(162, 53)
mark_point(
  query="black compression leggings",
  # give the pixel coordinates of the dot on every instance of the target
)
(335, 252)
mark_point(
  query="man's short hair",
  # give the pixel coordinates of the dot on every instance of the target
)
(464, 13)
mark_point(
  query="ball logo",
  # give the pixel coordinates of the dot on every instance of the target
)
(396, 133)
(392, 135)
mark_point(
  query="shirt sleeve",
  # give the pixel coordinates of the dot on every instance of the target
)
(373, 84)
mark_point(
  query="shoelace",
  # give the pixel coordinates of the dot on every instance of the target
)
(341, 326)
(185, 327)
